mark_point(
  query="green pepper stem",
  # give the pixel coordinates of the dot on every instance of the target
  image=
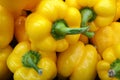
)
(30, 59)
(87, 15)
(75, 30)
(89, 34)
(115, 69)
(60, 29)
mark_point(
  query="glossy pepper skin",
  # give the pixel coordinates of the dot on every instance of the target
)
(6, 27)
(104, 11)
(5, 73)
(107, 36)
(78, 62)
(16, 6)
(54, 26)
(27, 64)
(109, 67)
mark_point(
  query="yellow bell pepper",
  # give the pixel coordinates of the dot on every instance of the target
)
(109, 67)
(6, 27)
(107, 36)
(5, 73)
(27, 64)
(78, 62)
(20, 32)
(95, 13)
(16, 6)
(54, 26)
(117, 16)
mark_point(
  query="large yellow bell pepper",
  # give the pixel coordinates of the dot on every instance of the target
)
(5, 73)
(6, 27)
(78, 62)
(54, 26)
(109, 67)
(95, 13)
(27, 64)
(107, 36)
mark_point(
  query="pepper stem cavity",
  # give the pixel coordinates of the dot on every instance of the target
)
(30, 59)
(115, 69)
(60, 29)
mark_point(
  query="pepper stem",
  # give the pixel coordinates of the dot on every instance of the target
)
(115, 69)
(60, 29)
(87, 15)
(30, 59)
(89, 34)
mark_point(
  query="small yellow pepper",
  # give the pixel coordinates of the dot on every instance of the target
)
(20, 32)
(54, 26)
(78, 62)
(107, 36)
(109, 67)
(6, 27)
(95, 13)
(27, 64)
(5, 73)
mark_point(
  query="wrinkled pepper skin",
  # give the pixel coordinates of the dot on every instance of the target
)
(105, 11)
(19, 63)
(78, 62)
(5, 73)
(107, 36)
(20, 32)
(16, 6)
(6, 27)
(39, 25)
(108, 68)
(117, 16)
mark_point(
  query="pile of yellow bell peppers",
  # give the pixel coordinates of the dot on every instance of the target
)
(59, 39)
